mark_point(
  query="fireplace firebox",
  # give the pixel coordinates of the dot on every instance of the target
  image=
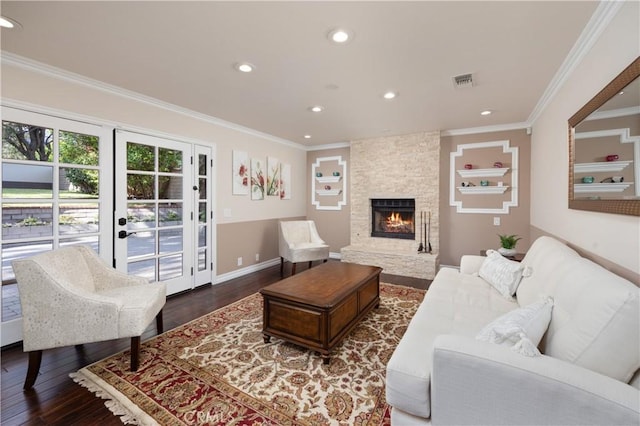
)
(393, 218)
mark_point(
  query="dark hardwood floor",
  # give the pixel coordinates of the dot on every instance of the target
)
(57, 400)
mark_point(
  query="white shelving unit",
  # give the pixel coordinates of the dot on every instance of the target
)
(482, 189)
(328, 192)
(600, 187)
(602, 166)
(321, 198)
(505, 193)
(493, 172)
(329, 179)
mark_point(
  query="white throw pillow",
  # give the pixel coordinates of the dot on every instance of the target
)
(521, 329)
(503, 274)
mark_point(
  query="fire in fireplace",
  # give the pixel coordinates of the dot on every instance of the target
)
(393, 218)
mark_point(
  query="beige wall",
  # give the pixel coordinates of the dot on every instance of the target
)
(610, 236)
(333, 225)
(246, 239)
(468, 233)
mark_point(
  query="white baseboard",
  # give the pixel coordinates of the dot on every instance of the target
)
(257, 267)
(247, 270)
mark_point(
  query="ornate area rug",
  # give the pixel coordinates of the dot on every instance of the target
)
(217, 370)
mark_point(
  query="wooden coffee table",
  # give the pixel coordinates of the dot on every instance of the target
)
(317, 308)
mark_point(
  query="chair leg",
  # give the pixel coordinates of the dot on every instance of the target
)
(310, 262)
(135, 353)
(293, 269)
(159, 323)
(281, 266)
(35, 359)
(325, 261)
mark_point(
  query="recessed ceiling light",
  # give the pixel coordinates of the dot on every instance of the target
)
(486, 112)
(307, 136)
(316, 108)
(244, 67)
(390, 95)
(9, 23)
(340, 35)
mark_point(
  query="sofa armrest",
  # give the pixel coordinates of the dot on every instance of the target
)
(476, 382)
(470, 264)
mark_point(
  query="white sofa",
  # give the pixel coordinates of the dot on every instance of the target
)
(587, 373)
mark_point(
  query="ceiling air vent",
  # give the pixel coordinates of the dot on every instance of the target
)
(463, 80)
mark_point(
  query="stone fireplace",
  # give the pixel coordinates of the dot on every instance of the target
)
(394, 168)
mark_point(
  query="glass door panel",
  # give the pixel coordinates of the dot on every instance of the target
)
(203, 197)
(151, 238)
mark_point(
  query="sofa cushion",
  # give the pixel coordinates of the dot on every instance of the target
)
(501, 273)
(594, 323)
(455, 304)
(521, 329)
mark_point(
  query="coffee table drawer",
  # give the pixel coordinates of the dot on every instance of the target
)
(342, 316)
(369, 293)
(294, 321)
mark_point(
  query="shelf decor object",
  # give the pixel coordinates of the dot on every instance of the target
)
(324, 196)
(503, 200)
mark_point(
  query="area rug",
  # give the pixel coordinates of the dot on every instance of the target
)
(217, 370)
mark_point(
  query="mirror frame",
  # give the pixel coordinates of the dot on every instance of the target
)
(626, 207)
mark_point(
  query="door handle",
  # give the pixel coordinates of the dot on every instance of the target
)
(124, 234)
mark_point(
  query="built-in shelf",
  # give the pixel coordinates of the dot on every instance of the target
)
(600, 187)
(602, 166)
(482, 189)
(326, 192)
(493, 172)
(504, 190)
(328, 179)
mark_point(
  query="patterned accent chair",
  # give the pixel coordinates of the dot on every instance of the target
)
(70, 296)
(300, 242)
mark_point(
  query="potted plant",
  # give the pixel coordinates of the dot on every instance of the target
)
(508, 244)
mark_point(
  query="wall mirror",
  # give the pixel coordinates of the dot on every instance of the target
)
(604, 148)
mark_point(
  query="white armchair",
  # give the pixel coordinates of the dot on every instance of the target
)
(300, 242)
(70, 296)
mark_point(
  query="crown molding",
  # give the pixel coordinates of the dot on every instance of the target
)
(95, 121)
(600, 20)
(486, 129)
(21, 62)
(329, 146)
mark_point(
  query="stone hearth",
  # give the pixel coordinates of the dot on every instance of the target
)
(406, 166)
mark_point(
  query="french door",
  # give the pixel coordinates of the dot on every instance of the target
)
(55, 192)
(163, 205)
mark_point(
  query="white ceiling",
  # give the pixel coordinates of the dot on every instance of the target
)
(183, 53)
